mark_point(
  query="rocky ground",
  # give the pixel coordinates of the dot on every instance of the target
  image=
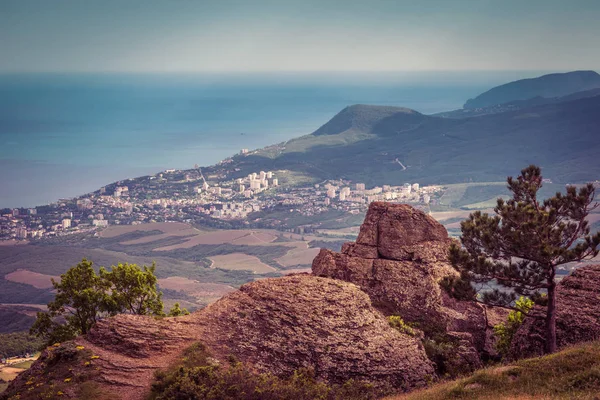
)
(332, 321)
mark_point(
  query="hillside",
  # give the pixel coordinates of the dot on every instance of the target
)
(392, 146)
(573, 373)
(547, 86)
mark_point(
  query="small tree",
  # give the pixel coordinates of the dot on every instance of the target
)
(177, 311)
(522, 246)
(83, 297)
(133, 289)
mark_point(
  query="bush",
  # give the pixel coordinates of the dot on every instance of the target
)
(505, 331)
(398, 324)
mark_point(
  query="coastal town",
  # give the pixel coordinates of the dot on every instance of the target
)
(213, 200)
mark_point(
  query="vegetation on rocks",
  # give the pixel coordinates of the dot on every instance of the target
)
(62, 370)
(505, 331)
(199, 376)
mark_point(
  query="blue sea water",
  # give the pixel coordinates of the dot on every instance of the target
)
(65, 135)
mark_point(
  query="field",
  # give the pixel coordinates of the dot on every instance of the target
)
(37, 280)
(170, 228)
(240, 261)
(298, 257)
(10, 371)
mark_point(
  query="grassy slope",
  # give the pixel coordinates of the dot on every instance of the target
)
(573, 373)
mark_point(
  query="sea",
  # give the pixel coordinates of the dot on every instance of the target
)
(64, 135)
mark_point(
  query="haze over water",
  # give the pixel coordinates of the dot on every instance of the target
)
(66, 135)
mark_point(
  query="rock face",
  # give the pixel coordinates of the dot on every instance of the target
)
(577, 315)
(399, 258)
(274, 325)
(281, 325)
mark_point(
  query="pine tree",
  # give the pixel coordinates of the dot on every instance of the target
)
(521, 247)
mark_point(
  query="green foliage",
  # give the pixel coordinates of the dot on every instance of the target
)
(83, 297)
(198, 376)
(522, 245)
(398, 323)
(133, 289)
(18, 343)
(505, 331)
(176, 311)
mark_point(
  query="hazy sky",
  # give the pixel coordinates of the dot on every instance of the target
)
(302, 35)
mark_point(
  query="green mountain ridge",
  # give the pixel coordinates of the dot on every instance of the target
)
(388, 145)
(546, 86)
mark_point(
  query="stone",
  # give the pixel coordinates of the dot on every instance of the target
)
(404, 278)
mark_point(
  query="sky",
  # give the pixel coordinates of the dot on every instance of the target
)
(302, 35)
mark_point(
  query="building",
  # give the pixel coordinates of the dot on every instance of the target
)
(21, 232)
(275, 182)
(66, 223)
(331, 192)
(360, 186)
(262, 175)
(242, 188)
(269, 175)
(100, 222)
(254, 184)
(415, 187)
(426, 199)
(244, 151)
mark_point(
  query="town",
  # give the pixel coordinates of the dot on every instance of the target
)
(214, 200)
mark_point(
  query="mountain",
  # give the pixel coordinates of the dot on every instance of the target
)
(517, 105)
(386, 145)
(546, 86)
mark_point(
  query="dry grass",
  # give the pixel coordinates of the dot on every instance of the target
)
(241, 261)
(40, 281)
(573, 373)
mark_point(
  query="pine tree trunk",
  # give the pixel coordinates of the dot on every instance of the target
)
(551, 320)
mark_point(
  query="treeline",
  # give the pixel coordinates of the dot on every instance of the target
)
(18, 343)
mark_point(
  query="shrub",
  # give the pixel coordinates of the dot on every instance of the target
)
(198, 376)
(505, 331)
(398, 323)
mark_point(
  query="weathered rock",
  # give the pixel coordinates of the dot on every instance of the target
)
(403, 279)
(281, 325)
(274, 325)
(577, 315)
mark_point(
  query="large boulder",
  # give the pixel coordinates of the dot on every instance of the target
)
(399, 258)
(276, 325)
(281, 325)
(577, 315)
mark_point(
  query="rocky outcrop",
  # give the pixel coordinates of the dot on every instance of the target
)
(281, 325)
(274, 325)
(577, 315)
(399, 258)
